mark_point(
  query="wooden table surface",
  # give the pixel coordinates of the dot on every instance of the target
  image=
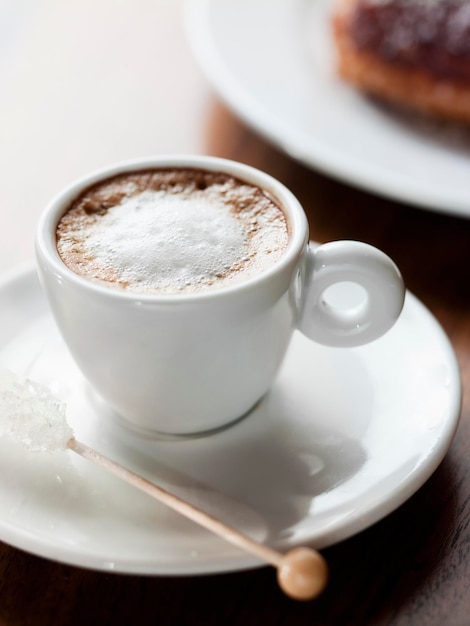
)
(86, 85)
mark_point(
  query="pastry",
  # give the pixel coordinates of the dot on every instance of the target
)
(415, 53)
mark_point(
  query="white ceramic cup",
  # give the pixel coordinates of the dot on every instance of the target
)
(185, 364)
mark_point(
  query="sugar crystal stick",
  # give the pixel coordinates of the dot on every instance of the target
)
(34, 417)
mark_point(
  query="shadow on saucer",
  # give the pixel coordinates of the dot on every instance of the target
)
(263, 467)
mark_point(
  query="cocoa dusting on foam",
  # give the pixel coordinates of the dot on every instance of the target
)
(172, 231)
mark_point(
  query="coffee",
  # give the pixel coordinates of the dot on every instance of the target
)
(172, 231)
(186, 364)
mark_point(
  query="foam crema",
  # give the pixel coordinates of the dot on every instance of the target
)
(172, 231)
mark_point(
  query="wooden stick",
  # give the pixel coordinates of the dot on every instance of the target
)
(302, 573)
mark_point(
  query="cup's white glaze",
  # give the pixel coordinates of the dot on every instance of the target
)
(190, 363)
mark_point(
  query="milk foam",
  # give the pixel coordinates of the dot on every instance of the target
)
(157, 239)
(171, 232)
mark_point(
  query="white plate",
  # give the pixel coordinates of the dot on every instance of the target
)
(342, 439)
(273, 62)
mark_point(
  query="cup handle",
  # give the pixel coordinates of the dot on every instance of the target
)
(354, 323)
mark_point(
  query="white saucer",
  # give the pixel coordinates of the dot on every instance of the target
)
(273, 63)
(343, 438)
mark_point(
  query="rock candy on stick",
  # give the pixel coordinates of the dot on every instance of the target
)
(33, 416)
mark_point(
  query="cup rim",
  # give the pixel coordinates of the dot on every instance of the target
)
(45, 242)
